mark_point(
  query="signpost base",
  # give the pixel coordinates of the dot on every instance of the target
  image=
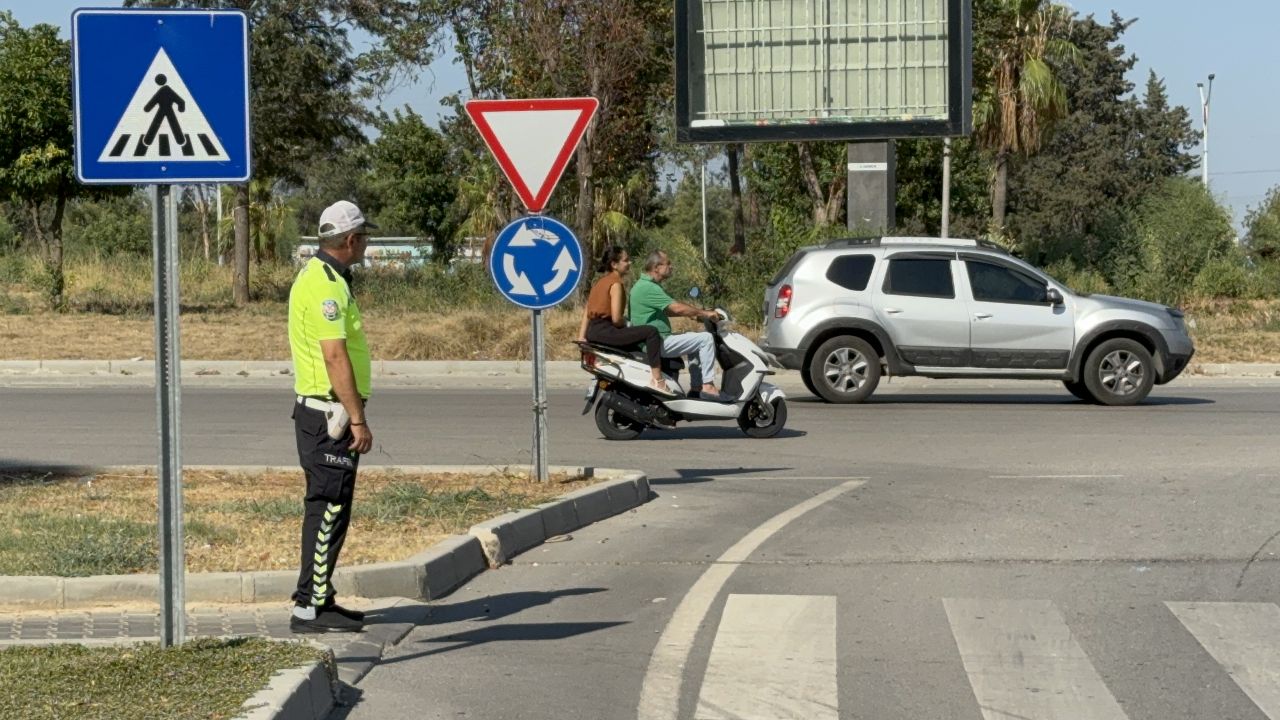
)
(164, 229)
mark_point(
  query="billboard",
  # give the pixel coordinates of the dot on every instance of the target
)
(777, 70)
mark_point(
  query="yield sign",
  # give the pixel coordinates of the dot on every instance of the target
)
(532, 140)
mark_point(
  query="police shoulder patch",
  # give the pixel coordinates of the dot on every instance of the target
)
(330, 309)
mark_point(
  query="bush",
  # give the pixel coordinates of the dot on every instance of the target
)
(1224, 277)
(739, 283)
(1265, 281)
(109, 225)
(1181, 229)
(1086, 281)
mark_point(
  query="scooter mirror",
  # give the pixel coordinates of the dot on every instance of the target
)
(694, 292)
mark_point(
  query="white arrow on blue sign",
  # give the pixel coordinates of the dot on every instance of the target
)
(161, 96)
(536, 262)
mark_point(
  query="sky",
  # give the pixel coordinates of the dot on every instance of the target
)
(1182, 40)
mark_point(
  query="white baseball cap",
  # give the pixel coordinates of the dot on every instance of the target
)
(342, 217)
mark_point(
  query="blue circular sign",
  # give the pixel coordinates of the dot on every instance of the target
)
(536, 262)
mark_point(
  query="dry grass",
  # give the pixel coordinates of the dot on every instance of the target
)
(260, 333)
(1236, 331)
(238, 522)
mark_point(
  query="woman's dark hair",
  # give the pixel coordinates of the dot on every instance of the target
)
(611, 255)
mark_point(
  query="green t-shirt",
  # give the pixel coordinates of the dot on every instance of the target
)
(649, 305)
(321, 307)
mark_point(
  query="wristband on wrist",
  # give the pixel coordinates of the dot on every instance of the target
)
(358, 424)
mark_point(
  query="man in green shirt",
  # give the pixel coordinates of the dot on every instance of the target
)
(331, 370)
(651, 305)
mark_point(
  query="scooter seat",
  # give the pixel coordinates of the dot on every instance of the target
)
(635, 352)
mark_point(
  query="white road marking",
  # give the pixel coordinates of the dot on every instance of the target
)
(1052, 477)
(774, 657)
(1245, 639)
(660, 693)
(1023, 662)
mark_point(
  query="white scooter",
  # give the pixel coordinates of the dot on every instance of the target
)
(625, 405)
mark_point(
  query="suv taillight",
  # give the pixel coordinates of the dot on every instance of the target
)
(783, 305)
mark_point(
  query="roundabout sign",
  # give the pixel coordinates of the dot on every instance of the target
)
(536, 262)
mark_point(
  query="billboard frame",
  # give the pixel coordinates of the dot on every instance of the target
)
(959, 120)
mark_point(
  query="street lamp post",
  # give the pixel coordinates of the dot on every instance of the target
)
(1206, 94)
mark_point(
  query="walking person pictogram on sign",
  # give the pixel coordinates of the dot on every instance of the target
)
(150, 128)
(164, 101)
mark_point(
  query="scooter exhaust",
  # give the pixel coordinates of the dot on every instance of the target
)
(629, 408)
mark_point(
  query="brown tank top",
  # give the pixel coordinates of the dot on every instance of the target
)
(598, 305)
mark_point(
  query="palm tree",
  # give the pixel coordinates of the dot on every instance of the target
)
(1022, 96)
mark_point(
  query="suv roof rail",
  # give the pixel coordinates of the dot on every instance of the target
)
(852, 241)
(907, 240)
(949, 241)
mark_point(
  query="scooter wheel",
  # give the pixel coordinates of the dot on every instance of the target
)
(754, 424)
(616, 426)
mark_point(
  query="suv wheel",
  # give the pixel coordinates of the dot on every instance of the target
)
(845, 369)
(1119, 372)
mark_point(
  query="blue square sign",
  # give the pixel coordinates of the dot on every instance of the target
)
(161, 96)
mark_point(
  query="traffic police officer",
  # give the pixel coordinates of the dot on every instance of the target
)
(332, 373)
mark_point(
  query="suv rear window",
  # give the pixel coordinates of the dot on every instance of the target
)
(851, 271)
(926, 277)
(790, 265)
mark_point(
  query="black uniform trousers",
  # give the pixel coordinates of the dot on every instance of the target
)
(330, 469)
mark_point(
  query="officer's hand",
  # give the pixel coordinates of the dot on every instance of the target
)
(361, 438)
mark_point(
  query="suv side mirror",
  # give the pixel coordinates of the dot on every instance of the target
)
(1053, 297)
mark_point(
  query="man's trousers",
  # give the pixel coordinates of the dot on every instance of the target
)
(330, 469)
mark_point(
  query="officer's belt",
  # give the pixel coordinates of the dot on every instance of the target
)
(314, 403)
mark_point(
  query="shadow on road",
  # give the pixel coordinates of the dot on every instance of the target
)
(494, 607)
(686, 476)
(708, 432)
(1017, 399)
(514, 632)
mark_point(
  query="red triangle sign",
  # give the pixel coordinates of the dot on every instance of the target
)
(532, 140)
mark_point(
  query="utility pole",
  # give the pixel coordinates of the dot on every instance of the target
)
(946, 187)
(1206, 94)
(704, 209)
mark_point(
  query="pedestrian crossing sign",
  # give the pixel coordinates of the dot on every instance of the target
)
(161, 96)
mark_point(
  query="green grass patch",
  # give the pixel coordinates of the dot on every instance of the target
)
(205, 679)
(105, 524)
(275, 509)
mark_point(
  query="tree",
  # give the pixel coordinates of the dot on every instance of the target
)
(308, 88)
(1262, 229)
(1182, 229)
(617, 51)
(36, 170)
(410, 180)
(807, 178)
(1075, 199)
(1021, 96)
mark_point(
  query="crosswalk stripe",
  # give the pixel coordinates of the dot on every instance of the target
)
(1023, 662)
(774, 657)
(1245, 640)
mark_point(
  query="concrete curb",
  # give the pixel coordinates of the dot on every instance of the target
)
(301, 693)
(394, 373)
(428, 575)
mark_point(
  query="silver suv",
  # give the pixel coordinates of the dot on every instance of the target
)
(847, 312)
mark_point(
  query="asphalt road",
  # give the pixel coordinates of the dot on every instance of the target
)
(949, 551)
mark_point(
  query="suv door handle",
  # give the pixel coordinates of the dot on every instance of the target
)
(982, 316)
(893, 311)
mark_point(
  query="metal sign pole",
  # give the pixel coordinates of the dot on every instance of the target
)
(539, 399)
(164, 229)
